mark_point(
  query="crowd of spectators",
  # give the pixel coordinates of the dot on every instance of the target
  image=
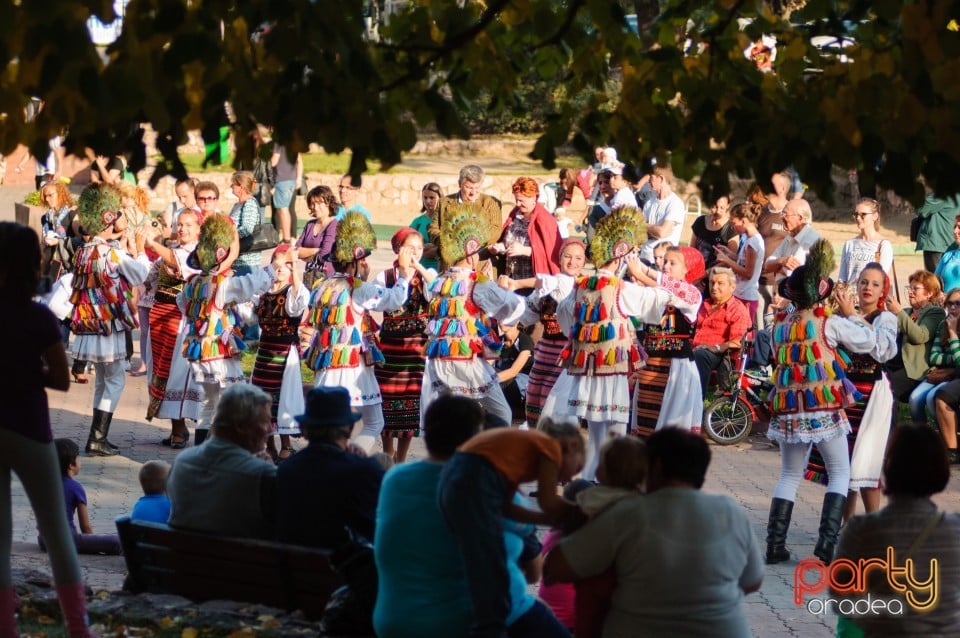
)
(471, 297)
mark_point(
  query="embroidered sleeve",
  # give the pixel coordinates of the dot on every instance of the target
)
(297, 303)
(885, 328)
(681, 289)
(242, 288)
(504, 306)
(377, 298)
(855, 336)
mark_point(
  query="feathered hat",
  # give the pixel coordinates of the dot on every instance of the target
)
(355, 239)
(810, 283)
(464, 233)
(617, 234)
(98, 208)
(216, 236)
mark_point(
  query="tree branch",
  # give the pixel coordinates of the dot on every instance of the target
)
(451, 44)
(557, 37)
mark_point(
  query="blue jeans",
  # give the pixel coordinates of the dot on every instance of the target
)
(472, 494)
(538, 622)
(921, 400)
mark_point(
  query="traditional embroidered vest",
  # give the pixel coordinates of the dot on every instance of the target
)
(168, 285)
(213, 332)
(274, 320)
(601, 342)
(810, 375)
(339, 339)
(669, 338)
(102, 299)
(548, 317)
(457, 328)
(411, 318)
(863, 367)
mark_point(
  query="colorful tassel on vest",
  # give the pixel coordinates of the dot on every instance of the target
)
(212, 332)
(457, 328)
(102, 299)
(338, 340)
(601, 342)
(809, 375)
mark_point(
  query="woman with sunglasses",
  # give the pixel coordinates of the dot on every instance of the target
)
(868, 246)
(430, 197)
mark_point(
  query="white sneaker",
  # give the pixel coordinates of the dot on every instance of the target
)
(523, 426)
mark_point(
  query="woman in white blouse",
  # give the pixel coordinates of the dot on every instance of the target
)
(868, 246)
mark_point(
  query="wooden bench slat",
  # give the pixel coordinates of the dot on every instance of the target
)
(205, 567)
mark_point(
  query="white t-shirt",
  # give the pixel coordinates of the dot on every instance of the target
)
(682, 558)
(749, 289)
(857, 253)
(656, 212)
(624, 199)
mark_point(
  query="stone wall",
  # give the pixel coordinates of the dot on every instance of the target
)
(382, 193)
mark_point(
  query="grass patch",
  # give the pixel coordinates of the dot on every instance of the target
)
(337, 164)
(312, 163)
(249, 356)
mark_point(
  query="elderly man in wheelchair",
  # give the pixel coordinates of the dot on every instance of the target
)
(721, 324)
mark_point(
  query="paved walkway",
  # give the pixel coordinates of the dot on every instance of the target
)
(746, 472)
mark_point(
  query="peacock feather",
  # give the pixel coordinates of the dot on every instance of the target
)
(216, 236)
(820, 258)
(617, 234)
(95, 200)
(463, 233)
(355, 240)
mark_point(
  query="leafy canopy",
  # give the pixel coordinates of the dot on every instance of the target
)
(682, 87)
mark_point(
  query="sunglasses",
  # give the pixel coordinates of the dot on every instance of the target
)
(952, 304)
(207, 199)
(861, 215)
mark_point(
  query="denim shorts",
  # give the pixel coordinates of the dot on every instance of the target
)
(283, 193)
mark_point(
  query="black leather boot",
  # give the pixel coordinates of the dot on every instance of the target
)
(109, 417)
(777, 525)
(199, 436)
(831, 517)
(97, 443)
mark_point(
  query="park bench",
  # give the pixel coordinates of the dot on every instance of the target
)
(201, 567)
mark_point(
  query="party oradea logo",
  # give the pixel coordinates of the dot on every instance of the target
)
(841, 587)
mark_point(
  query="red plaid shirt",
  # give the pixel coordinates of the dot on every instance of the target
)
(718, 324)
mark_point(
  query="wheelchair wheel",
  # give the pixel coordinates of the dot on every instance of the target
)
(726, 423)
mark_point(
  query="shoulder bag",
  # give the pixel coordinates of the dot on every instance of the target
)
(263, 237)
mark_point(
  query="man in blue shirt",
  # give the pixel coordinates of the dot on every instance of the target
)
(349, 196)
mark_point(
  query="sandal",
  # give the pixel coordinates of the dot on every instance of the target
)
(285, 453)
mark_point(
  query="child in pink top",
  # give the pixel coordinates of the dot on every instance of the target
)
(561, 597)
